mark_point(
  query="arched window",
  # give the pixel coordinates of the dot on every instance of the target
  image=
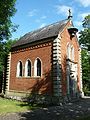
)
(28, 68)
(68, 51)
(19, 69)
(72, 53)
(37, 67)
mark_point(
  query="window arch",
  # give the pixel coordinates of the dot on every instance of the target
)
(72, 53)
(28, 68)
(68, 51)
(19, 69)
(37, 67)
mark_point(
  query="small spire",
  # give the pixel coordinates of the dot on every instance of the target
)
(70, 15)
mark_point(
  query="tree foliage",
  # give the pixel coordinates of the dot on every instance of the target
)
(7, 10)
(86, 22)
(85, 70)
(84, 38)
(84, 41)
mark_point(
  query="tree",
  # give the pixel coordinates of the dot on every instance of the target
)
(85, 70)
(86, 22)
(84, 40)
(6, 46)
(7, 10)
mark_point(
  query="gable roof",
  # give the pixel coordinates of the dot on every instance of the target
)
(42, 33)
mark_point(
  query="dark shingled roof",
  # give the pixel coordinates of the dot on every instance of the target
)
(42, 33)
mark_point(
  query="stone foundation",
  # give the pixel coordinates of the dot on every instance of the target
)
(33, 98)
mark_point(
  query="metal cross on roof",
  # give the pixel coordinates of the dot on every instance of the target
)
(70, 15)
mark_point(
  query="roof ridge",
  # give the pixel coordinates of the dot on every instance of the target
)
(45, 27)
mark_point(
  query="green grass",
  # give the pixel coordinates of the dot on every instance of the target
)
(9, 106)
(84, 118)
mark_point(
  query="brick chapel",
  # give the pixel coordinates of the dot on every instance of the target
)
(46, 61)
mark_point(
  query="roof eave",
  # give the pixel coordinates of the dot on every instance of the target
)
(41, 41)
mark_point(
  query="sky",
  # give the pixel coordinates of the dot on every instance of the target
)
(34, 14)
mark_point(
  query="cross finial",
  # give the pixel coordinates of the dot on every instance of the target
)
(70, 16)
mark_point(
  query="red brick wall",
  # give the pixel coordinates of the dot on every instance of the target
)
(44, 52)
(39, 85)
(65, 39)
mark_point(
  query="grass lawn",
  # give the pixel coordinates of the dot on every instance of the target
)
(8, 106)
(85, 118)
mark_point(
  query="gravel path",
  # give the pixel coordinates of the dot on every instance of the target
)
(70, 111)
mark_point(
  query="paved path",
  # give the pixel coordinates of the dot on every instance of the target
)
(70, 111)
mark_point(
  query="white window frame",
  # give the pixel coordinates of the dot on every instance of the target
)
(72, 53)
(18, 69)
(35, 67)
(68, 51)
(26, 68)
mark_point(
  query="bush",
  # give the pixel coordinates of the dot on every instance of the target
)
(87, 93)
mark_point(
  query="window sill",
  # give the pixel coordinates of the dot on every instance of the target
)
(19, 77)
(36, 77)
(29, 77)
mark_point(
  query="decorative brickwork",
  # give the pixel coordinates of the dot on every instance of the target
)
(8, 72)
(40, 85)
(81, 85)
(57, 87)
(58, 75)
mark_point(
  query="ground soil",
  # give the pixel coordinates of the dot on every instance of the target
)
(68, 111)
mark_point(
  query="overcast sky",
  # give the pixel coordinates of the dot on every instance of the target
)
(34, 14)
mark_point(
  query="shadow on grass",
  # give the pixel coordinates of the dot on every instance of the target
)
(30, 106)
(33, 105)
(70, 111)
(84, 118)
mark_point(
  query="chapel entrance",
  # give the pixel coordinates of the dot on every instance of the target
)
(71, 79)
